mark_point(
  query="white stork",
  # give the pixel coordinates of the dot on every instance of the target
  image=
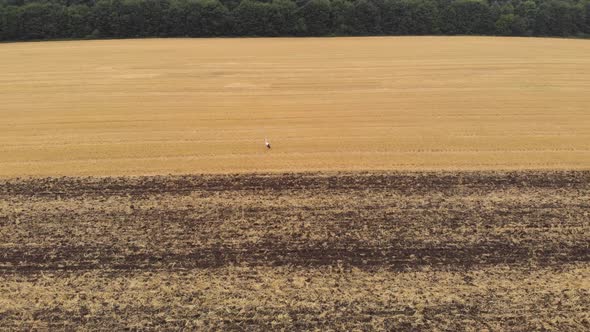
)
(266, 143)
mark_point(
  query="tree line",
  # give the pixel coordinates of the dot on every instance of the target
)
(75, 19)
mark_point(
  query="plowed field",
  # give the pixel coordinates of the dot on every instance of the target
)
(451, 251)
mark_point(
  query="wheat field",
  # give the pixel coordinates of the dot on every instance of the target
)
(417, 183)
(141, 107)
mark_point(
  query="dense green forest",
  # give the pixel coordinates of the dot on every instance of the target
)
(64, 19)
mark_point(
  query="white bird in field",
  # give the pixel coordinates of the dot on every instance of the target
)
(266, 143)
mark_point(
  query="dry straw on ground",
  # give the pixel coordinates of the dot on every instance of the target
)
(205, 105)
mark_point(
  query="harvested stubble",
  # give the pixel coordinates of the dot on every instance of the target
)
(453, 251)
(138, 107)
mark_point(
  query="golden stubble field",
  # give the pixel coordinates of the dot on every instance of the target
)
(131, 107)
